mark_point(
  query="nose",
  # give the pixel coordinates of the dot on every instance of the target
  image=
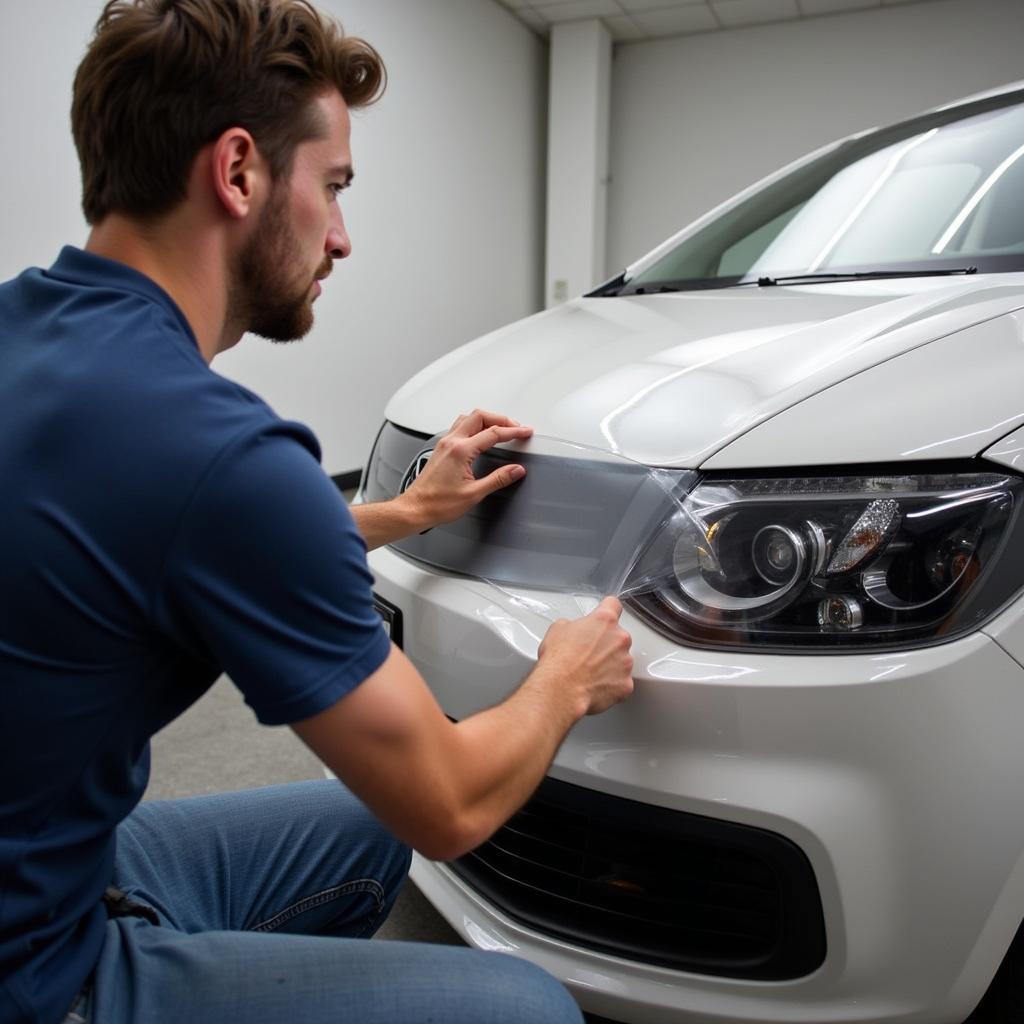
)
(338, 245)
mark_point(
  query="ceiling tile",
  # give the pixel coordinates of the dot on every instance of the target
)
(577, 10)
(624, 29)
(751, 12)
(533, 20)
(647, 5)
(677, 20)
(831, 6)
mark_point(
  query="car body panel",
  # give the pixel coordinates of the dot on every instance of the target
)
(1008, 450)
(858, 765)
(938, 401)
(671, 380)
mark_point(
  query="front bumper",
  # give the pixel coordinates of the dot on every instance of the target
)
(897, 775)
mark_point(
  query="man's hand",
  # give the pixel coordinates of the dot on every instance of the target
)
(444, 787)
(446, 488)
(589, 658)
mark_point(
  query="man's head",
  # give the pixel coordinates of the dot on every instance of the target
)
(163, 78)
(298, 234)
(178, 103)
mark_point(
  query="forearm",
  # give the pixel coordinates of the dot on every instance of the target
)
(383, 522)
(443, 787)
(503, 753)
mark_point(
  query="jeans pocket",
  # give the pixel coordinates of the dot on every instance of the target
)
(352, 908)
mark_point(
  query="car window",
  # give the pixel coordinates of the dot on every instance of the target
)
(940, 191)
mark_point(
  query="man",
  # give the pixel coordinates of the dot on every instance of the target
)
(160, 525)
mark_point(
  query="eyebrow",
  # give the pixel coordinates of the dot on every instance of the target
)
(344, 171)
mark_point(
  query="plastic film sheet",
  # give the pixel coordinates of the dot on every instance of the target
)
(566, 535)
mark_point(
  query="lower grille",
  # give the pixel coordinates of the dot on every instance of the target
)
(650, 884)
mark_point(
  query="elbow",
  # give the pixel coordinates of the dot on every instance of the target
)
(451, 838)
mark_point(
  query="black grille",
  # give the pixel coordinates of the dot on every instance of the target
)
(654, 885)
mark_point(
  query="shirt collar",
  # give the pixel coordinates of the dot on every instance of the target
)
(81, 267)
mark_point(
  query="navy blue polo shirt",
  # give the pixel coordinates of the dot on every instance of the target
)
(159, 524)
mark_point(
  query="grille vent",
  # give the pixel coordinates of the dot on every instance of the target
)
(654, 885)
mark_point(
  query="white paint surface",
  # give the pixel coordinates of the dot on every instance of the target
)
(446, 216)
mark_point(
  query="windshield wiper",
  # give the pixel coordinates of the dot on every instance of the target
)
(865, 275)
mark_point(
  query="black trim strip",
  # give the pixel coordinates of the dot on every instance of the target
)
(347, 481)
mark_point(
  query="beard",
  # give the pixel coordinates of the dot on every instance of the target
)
(264, 299)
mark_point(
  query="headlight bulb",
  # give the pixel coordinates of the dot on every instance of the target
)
(840, 613)
(778, 554)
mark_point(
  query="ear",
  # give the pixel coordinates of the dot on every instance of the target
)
(238, 170)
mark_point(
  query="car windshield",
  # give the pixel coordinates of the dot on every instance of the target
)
(939, 194)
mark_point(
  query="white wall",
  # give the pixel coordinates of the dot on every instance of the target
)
(446, 215)
(697, 118)
(579, 88)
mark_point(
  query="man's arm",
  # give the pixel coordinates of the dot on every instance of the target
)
(446, 489)
(444, 787)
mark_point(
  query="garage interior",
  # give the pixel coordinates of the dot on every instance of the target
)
(525, 151)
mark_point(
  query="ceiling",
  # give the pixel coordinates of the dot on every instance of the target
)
(633, 20)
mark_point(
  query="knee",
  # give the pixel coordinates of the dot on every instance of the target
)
(530, 993)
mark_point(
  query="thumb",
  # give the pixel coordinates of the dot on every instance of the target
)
(500, 478)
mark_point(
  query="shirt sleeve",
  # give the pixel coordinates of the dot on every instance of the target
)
(267, 578)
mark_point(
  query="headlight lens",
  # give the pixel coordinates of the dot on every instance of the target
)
(832, 561)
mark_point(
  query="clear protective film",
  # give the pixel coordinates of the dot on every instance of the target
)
(566, 535)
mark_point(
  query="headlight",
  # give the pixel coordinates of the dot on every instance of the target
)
(832, 561)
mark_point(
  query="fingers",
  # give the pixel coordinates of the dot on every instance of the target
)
(500, 478)
(493, 435)
(480, 419)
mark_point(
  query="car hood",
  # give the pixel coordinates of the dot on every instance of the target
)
(680, 379)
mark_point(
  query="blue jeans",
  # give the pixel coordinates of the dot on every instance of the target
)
(265, 899)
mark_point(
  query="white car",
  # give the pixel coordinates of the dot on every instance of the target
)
(792, 439)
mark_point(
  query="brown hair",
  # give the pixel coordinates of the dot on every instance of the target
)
(162, 78)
